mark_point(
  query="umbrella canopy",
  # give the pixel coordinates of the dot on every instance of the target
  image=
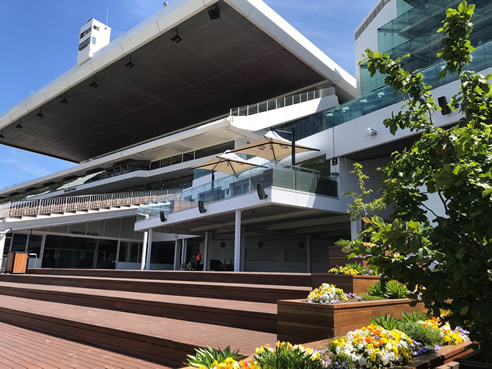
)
(227, 163)
(272, 147)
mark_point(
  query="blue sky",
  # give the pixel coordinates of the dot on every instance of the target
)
(39, 41)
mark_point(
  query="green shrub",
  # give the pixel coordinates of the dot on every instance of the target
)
(395, 290)
(371, 298)
(427, 336)
(391, 290)
(206, 356)
(342, 243)
(414, 316)
(375, 290)
(287, 356)
(387, 321)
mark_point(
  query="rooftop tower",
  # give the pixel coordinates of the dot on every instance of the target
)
(94, 35)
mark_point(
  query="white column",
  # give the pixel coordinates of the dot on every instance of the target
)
(3, 236)
(243, 247)
(117, 257)
(149, 250)
(355, 228)
(177, 254)
(184, 249)
(308, 253)
(237, 242)
(205, 251)
(41, 251)
(144, 250)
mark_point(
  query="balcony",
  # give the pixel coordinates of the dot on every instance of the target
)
(273, 175)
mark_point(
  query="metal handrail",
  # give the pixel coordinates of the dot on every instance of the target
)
(81, 203)
(281, 102)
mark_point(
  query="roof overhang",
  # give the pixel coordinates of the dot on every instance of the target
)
(248, 55)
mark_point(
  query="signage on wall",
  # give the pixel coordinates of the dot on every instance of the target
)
(85, 233)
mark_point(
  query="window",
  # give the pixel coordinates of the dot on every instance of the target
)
(177, 159)
(84, 44)
(95, 27)
(93, 40)
(85, 32)
(189, 156)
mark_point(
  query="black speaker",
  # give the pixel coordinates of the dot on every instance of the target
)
(261, 191)
(201, 207)
(162, 216)
(443, 103)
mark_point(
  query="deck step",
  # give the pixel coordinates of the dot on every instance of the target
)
(22, 348)
(217, 290)
(162, 340)
(289, 279)
(239, 314)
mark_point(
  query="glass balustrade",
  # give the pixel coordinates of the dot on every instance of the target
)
(482, 59)
(276, 175)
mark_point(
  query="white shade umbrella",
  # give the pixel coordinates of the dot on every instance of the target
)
(272, 147)
(227, 163)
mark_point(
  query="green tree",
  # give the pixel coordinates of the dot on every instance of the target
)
(447, 258)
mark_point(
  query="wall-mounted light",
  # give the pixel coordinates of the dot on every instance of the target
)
(19, 126)
(64, 101)
(261, 244)
(162, 215)
(130, 64)
(370, 132)
(214, 13)
(177, 38)
(261, 191)
(222, 244)
(40, 114)
(443, 103)
(94, 84)
(1, 136)
(201, 206)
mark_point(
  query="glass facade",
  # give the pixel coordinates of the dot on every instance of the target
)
(78, 252)
(414, 32)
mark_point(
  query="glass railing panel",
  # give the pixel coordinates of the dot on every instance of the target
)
(386, 96)
(282, 176)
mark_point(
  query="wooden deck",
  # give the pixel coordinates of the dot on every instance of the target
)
(218, 290)
(157, 339)
(258, 316)
(287, 279)
(25, 349)
(160, 317)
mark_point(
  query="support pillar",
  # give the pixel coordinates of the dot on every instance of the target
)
(184, 246)
(149, 250)
(177, 254)
(237, 241)
(3, 237)
(206, 251)
(308, 253)
(41, 251)
(243, 247)
(96, 254)
(117, 257)
(144, 250)
(355, 228)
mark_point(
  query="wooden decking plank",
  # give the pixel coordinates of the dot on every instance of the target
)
(248, 306)
(44, 351)
(150, 336)
(93, 357)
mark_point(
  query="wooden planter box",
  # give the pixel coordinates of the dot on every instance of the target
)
(299, 321)
(357, 284)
